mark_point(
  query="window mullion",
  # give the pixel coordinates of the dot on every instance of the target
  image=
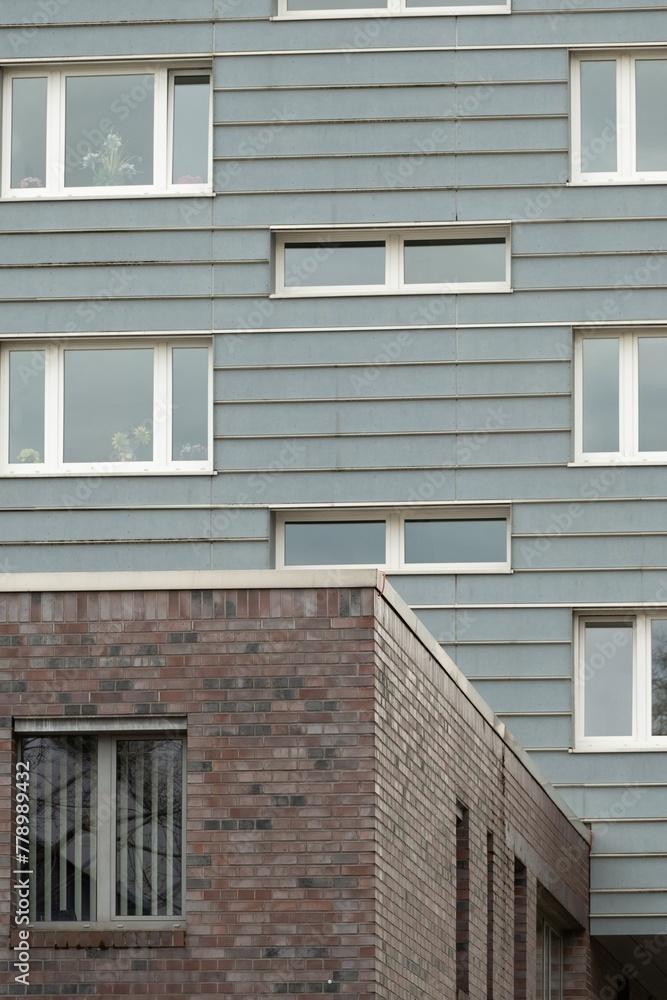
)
(627, 121)
(393, 251)
(642, 662)
(55, 131)
(627, 382)
(394, 552)
(54, 403)
(162, 405)
(161, 131)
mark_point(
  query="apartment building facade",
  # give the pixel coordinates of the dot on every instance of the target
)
(313, 284)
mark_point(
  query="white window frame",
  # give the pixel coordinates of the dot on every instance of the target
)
(161, 427)
(395, 536)
(628, 360)
(396, 8)
(163, 107)
(641, 737)
(548, 933)
(108, 732)
(394, 240)
(626, 171)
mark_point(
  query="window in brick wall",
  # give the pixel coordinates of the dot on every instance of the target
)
(388, 8)
(622, 681)
(621, 407)
(619, 119)
(462, 900)
(467, 540)
(98, 131)
(106, 826)
(106, 406)
(447, 260)
(549, 970)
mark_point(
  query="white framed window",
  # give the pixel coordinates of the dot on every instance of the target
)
(100, 131)
(549, 961)
(620, 402)
(621, 691)
(466, 540)
(116, 406)
(388, 8)
(443, 260)
(619, 120)
(106, 820)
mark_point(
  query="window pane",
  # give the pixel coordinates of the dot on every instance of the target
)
(313, 264)
(29, 133)
(600, 405)
(149, 824)
(541, 950)
(337, 543)
(191, 129)
(336, 4)
(659, 676)
(651, 83)
(26, 406)
(555, 966)
(453, 541)
(454, 261)
(108, 408)
(450, 3)
(189, 404)
(652, 397)
(598, 116)
(109, 130)
(608, 680)
(63, 848)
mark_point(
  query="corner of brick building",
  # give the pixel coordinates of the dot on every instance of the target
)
(328, 752)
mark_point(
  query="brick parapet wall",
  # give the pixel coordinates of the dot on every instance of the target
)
(326, 750)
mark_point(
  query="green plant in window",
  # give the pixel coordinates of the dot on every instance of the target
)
(191, 452)
(109, 164)
(28, 455)
(133, 445)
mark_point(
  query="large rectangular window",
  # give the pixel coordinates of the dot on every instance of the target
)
(622, 688)
(464, 540)
(448, 260)
(106, 826)
(549, 962)
(619, 117)
(621, 403)
(121, 407)
(101, 131)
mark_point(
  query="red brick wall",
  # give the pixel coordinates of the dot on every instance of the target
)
(326, 751)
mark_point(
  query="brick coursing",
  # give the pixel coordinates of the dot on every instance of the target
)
(327, 749)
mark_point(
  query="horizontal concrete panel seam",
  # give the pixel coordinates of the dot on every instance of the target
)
(437, 362)
(524, 677)
(440, 432)
(198, 539)
(449, 84)
(531, 715)
(524, 151)
(376, 399)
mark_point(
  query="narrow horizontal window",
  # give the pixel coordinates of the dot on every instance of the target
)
(106, 408)
(619, 118)
(451, 260)
(456, 541)
(87, 131)
(396, 540)
(389, 7)
(323, 543)
(106, 830)
(622, 689)
(621, 406)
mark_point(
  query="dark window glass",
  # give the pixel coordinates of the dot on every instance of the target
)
(327, 263)
(337, 543)
(455, 261)
(608, 679)
(456, 541)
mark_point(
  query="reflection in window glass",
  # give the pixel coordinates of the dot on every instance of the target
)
(651, 86)
(335, 543)
(608, 679)
(454, 261)
(108, 405)
(659, 676)
(149, 825)
(63, 842)
(109, 130)
(189, 404)
(652, 396)
(29, 133)
(190, 164)
(600, 404)
(328, 263)
(598, 116)
(336, 4)
(452, 541)
(26, 407)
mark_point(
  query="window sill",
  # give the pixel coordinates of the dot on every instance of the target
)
(96, 473)
(382, 12)
(96, 194)
(616, 463)
(102, 936)
(322, 291)
(613, 746)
